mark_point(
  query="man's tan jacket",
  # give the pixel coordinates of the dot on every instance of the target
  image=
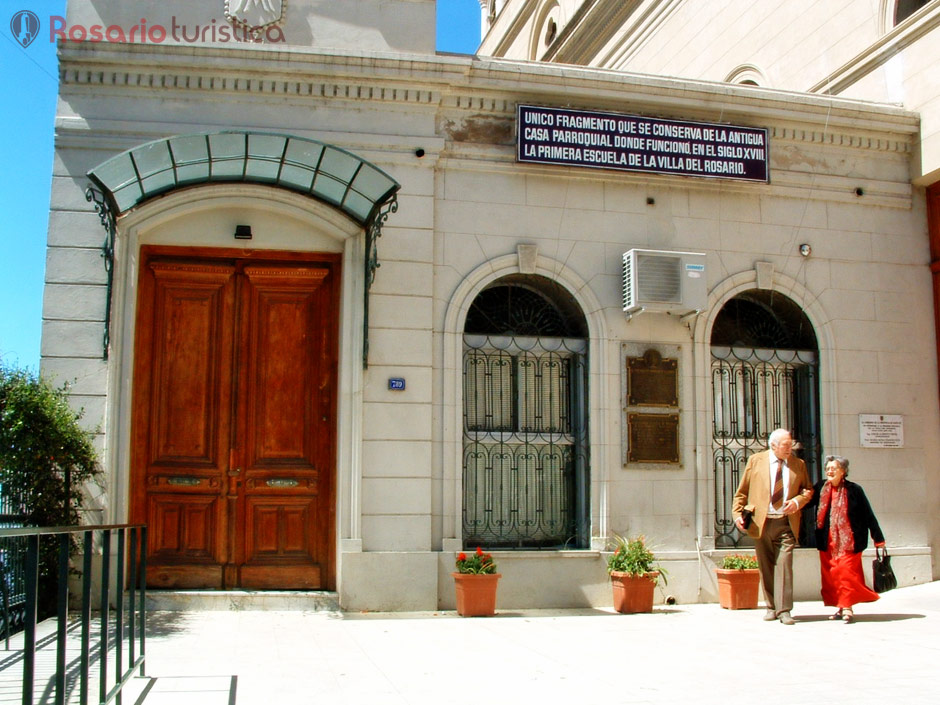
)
(754, 489)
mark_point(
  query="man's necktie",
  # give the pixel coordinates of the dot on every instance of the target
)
(776, 499)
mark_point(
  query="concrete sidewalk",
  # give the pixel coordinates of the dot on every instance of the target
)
(680, 654)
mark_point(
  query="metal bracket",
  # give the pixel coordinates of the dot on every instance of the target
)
(106, 215)
(689, 320)
(633, 312)
(371, 263)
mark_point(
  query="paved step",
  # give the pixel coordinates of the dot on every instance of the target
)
(241, 600)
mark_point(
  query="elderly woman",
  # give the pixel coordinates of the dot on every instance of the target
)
(844, 519)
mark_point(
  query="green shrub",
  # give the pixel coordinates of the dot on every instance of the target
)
(46, 458)
(632, 556)
(739, 561)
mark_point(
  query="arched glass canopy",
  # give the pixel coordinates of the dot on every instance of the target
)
(306, 166)
(329, 174)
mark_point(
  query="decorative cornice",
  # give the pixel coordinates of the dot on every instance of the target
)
(452, 84)
(506, 108)
(203, 82)
(484, 104)
(876, 144)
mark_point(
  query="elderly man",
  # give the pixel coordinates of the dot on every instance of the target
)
(774, 488)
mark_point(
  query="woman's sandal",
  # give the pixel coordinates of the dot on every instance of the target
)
(837, 615)
(847, 616)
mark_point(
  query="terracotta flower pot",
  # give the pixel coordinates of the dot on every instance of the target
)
(476, 594)
(737, 589)
(633, 593)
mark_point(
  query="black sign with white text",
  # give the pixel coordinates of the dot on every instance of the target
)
(636, 143)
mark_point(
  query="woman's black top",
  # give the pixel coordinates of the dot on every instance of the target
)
(861, 517)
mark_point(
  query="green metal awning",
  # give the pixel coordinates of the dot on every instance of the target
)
(313, 168)
(322, 171)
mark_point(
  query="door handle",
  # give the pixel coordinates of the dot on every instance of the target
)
(233, 473)
(183, 481)
(282, 482)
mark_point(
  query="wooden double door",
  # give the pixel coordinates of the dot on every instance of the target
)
(233, 429)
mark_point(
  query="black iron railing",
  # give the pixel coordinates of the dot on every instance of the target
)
(12, 578)
(12, 563)
(128, 564)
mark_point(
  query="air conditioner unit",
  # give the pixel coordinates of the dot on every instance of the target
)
(663, 281)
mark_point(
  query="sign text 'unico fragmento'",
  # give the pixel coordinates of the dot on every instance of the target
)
(635, 143)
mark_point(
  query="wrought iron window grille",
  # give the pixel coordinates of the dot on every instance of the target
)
(754, 392)
(525, 482)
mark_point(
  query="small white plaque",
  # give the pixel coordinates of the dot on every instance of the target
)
(881, 430)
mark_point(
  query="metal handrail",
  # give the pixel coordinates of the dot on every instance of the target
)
(132, 576)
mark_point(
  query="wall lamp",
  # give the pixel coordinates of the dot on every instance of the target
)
(242, 232)
(806, 250)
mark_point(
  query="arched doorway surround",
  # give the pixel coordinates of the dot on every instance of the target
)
(313, 203)
(764, 374)
(526, 262)
(525, 462)
(772, 283)
(286, 224)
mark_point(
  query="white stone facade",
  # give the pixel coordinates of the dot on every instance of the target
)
(468, 214)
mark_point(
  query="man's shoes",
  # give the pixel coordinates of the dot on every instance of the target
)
(785, 618)
(770, 616)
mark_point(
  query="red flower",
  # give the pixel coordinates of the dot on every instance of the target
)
(462, 557)
(479, 551)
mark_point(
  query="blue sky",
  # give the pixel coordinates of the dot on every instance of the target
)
(27, 109)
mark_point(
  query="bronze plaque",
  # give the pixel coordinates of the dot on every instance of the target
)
(652, 380)
(654, 438)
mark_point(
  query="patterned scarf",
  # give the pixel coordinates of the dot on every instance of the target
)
(841, 538)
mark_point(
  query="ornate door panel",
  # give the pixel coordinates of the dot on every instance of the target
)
(233, 440)
(283, 417)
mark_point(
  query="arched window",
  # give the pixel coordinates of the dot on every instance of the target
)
(525, 467)
(548, 23)
(905, 8)
(747, 75)
(764, 373)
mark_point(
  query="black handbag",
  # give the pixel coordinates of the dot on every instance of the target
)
(881, 573)
(747, 515)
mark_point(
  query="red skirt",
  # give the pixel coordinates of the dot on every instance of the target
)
(843, 582)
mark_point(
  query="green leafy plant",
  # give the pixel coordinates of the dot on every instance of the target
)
(477, 563)
(633, 556)
(739, 561)
(46, 458)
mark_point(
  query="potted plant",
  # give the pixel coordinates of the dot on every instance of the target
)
(475, 582)
(633, 574)
(738, 582)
